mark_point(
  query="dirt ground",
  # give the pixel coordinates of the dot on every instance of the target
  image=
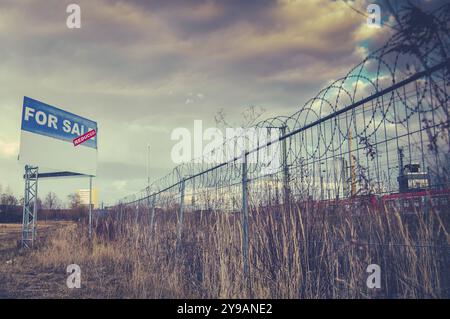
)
(26, 282)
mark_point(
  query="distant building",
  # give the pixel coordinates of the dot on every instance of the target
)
(412, 179)
(84, 197)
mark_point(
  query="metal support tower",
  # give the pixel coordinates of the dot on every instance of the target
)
(30, 206)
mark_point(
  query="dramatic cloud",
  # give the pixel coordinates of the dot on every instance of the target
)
(142, 68)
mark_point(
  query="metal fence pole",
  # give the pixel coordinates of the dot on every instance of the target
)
(152, 211)
(286, 189)
(245, 216)
(181, 212)
(193, 194)
(136, 217)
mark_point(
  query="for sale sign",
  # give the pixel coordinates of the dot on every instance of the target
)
(48, 137)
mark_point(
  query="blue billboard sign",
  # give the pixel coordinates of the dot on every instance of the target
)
(47, 120)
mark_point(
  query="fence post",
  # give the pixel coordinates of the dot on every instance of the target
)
(181, 212)
(90, 207)
(193, 194)
(152, 211)
(137, 212)
(245, 217)
(149, 205)
(286, 189)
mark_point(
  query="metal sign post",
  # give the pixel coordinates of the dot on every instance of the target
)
(29, 218)
(70, 143)
(90, 207)
(30, 207)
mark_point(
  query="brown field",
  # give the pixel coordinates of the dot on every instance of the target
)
(19, 278)
(298, 253)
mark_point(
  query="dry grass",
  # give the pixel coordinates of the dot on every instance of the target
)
(302, 252)
(19, 276)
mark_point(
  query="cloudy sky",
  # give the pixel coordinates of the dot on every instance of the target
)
(142, 68)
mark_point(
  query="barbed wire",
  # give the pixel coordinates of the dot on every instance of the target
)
(392, 97)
